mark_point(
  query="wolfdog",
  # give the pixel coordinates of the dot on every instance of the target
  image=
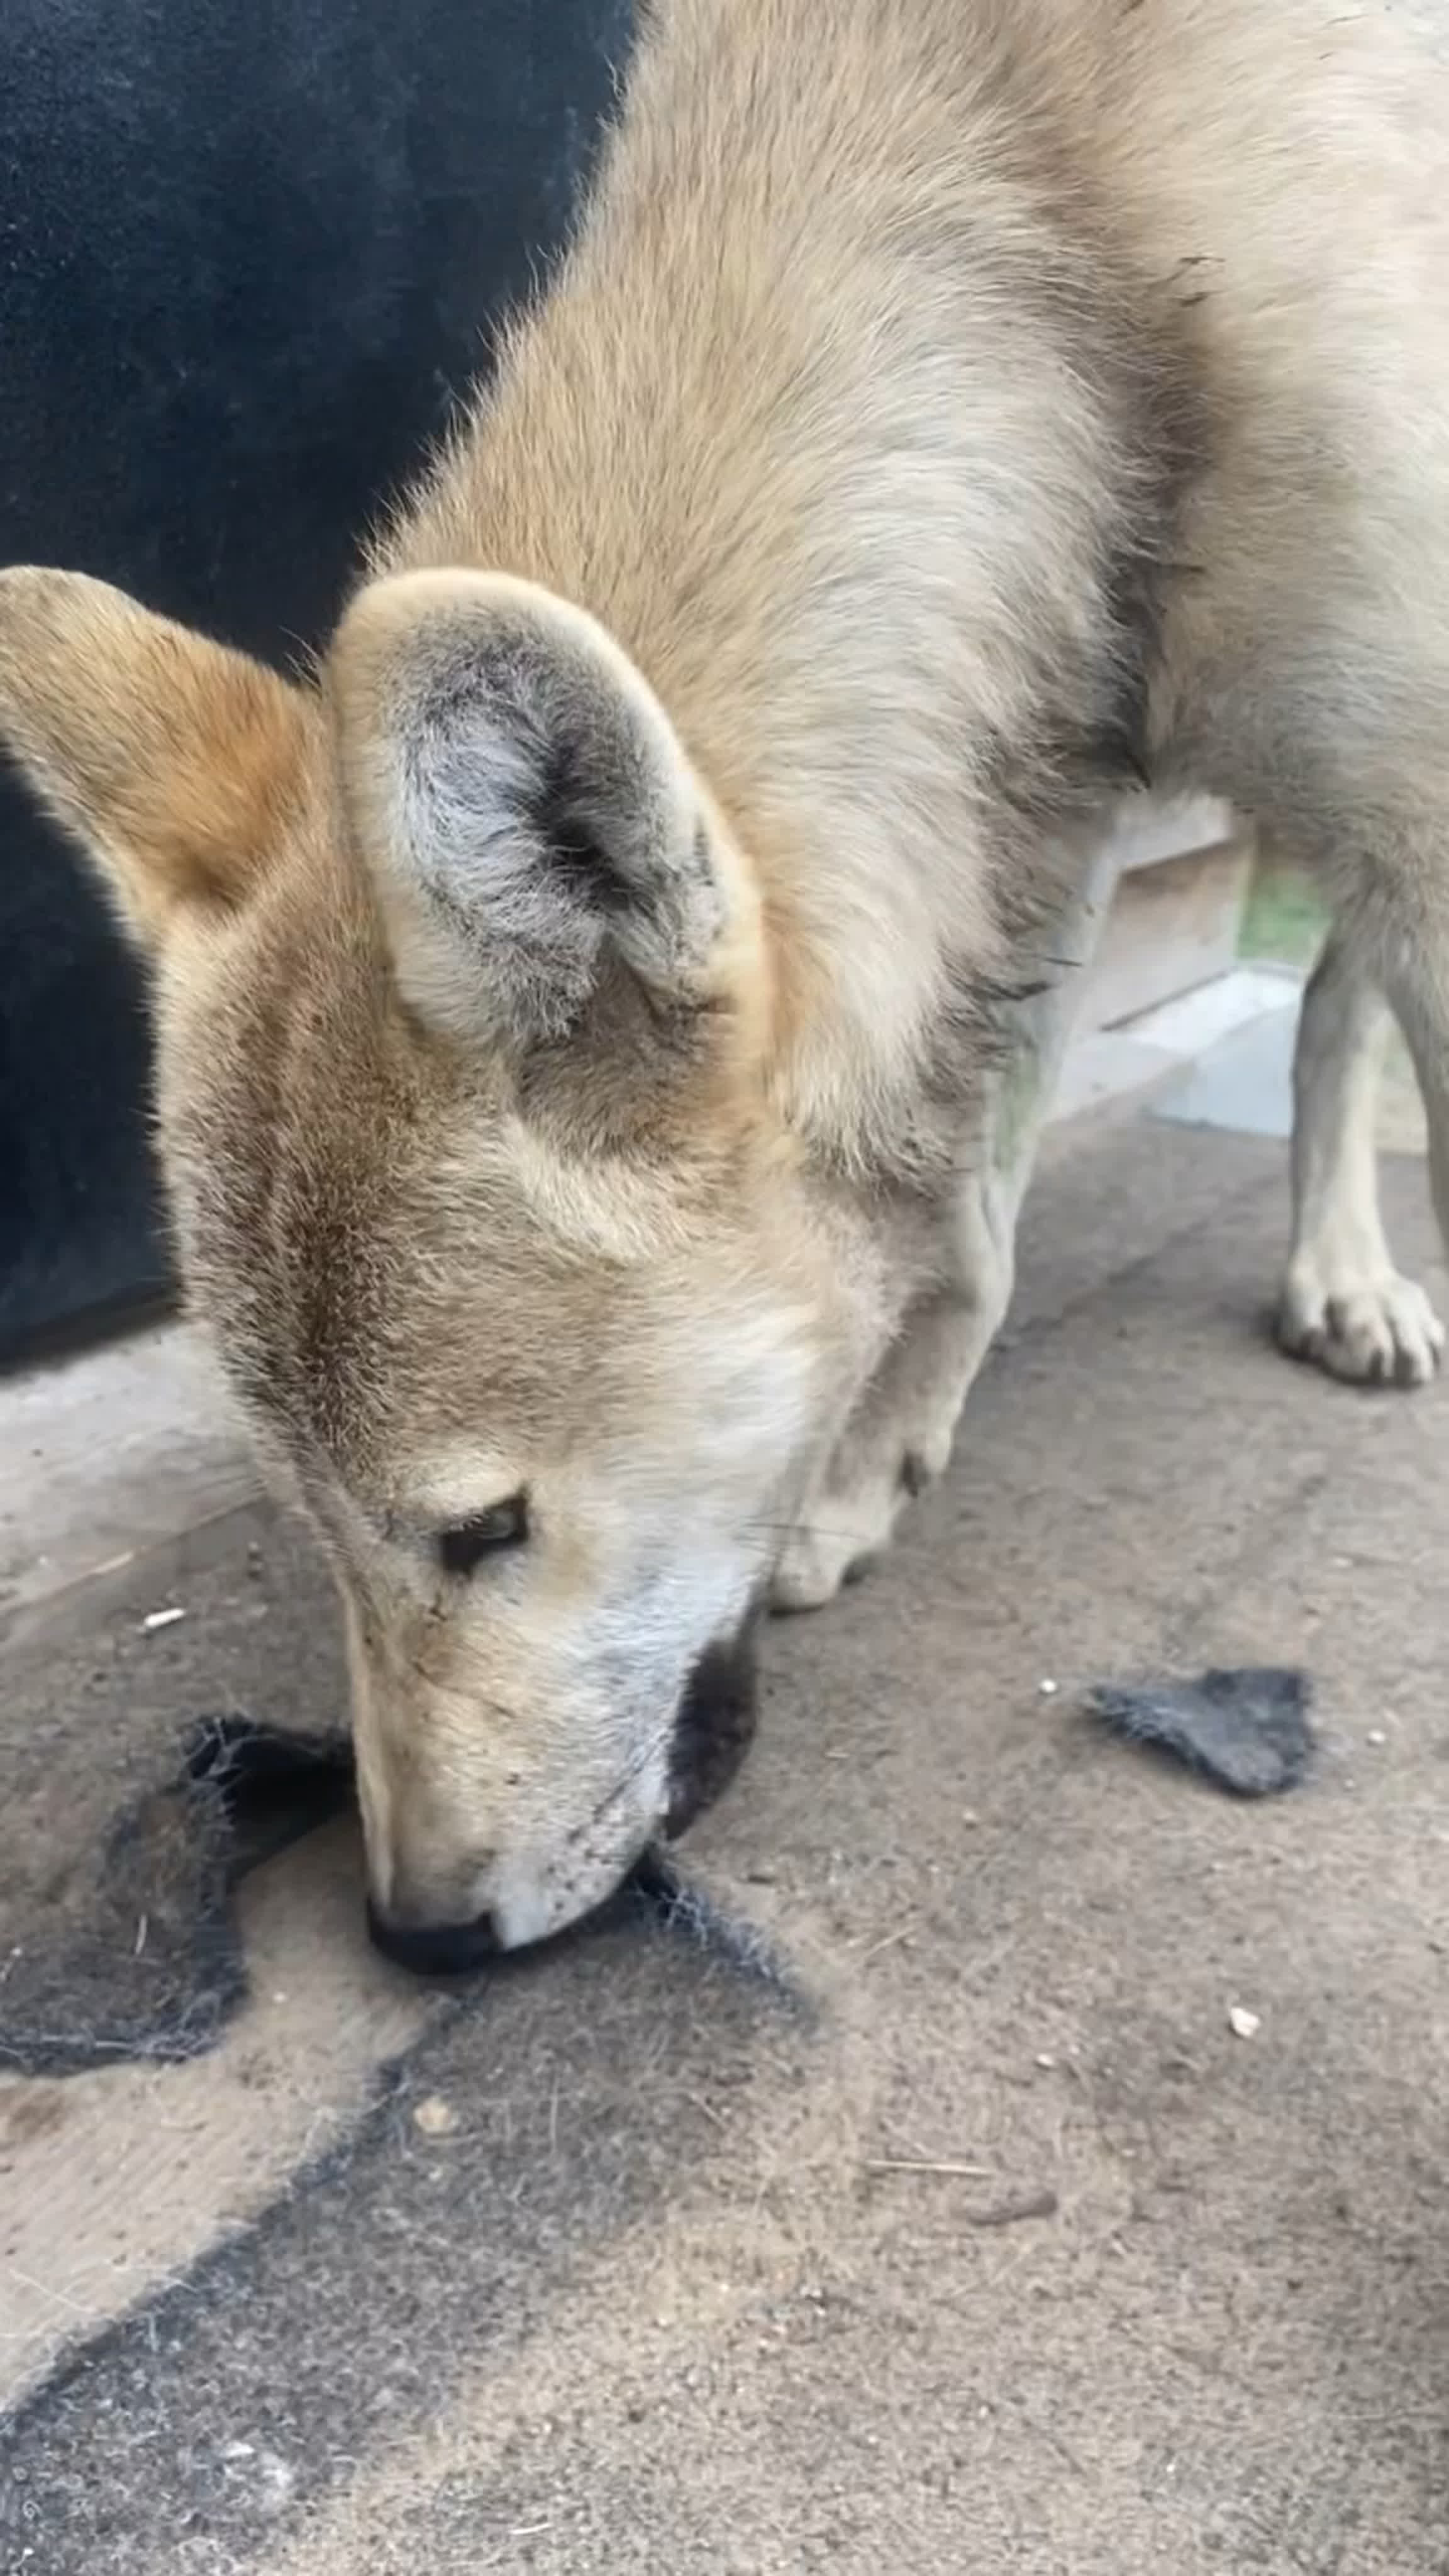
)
(596, 1073)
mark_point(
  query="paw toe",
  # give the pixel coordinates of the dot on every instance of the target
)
(1382, 1332)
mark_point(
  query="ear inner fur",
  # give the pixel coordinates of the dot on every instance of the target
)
(523, 806)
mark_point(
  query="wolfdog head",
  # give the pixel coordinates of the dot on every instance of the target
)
(463, 999)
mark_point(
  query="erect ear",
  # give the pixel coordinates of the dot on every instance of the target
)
(170, 758)
(525, 808)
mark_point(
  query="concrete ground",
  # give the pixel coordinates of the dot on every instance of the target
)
(954, 2227)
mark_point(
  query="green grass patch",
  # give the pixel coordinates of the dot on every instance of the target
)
(1283, 918)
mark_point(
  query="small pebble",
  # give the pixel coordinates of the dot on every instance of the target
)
(155, 1619)
(1046, 2059)
(1244, 2024)
(435, 2117)
(1376, 1735)
(1048, 1688)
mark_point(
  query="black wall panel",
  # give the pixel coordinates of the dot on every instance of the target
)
(249, 253)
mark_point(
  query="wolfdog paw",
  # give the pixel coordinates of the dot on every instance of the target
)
(817, 1562)
(849, 1527)
(811, 1570)
(1377, 1329)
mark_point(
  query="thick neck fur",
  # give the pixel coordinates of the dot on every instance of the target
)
(840, 416)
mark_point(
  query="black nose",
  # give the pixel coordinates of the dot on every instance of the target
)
(434, 1949)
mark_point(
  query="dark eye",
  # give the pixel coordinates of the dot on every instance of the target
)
(503, 1525)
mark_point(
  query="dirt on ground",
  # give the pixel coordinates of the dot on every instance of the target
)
(1053, 2188)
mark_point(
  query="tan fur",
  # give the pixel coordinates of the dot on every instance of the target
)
(177, 760)
(582, 1016)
